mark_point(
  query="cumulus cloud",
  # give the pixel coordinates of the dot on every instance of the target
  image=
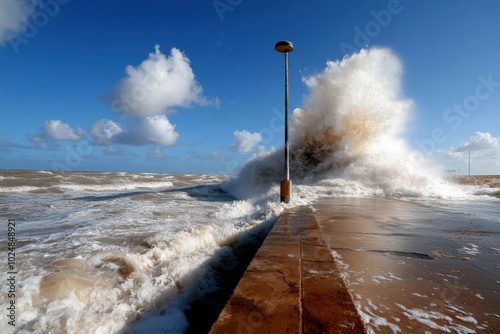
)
(55, 130)
(104, 132)
(479, 141)
(245, 141)
(151, 130)
(13, 17)
(144, 96)
(41, 143)
(157, 85)
(156, 130)
(484, 148)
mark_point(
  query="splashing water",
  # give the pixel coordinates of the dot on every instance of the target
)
(350, 134)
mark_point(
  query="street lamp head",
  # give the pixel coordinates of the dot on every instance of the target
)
(284, 46)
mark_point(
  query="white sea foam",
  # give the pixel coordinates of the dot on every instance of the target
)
(237, 209)
(348, 139)
(117, 187)
(471, 249)
(469, 319)
(95, 256)
(439, 321)
(373, 320)
(18, 189)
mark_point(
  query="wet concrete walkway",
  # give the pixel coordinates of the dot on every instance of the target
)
(375, 265)
(415, 268)
(292, 285)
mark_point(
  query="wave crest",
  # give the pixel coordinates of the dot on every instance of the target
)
(351, 127)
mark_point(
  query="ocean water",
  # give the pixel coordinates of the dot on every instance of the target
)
(94, 251)
(113, 252)
(128, 252)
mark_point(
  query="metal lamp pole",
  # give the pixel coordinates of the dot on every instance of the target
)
(286, 185)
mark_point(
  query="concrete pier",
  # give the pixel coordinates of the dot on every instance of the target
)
(292, 285)
(374, 265)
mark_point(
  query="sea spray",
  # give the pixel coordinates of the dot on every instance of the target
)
(350, 132)
(353, 105)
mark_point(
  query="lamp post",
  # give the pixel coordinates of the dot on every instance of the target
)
(286, 185)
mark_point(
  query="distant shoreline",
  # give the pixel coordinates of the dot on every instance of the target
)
(493, 181)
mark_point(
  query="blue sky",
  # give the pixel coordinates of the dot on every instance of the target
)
(197, 87)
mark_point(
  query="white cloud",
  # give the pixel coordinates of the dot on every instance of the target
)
(147, 92)
(156, 130)
(55, 130)
(245, 141)
(42, 143)
(480, 141)
(484, 153)
(151, 130)
(105, 132)
(13, 17)
(157, 85)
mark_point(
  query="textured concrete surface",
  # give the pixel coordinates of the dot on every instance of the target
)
(408, 267)
(292, 285)
(415, 268)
